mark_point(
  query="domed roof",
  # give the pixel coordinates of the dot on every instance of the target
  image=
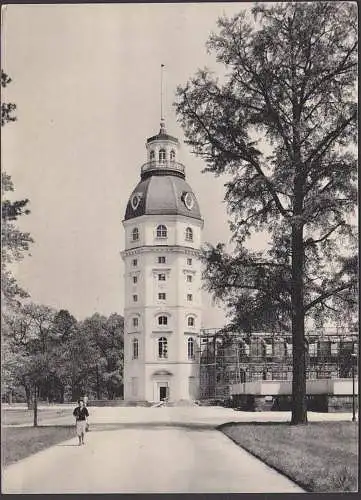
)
(162, 195)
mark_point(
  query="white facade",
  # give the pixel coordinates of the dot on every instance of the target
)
(162, 314)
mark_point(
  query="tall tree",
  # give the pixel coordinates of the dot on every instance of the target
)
(106, 334)
(30, 342)
(281, 124)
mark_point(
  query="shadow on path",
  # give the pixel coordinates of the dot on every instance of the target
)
(152, 425)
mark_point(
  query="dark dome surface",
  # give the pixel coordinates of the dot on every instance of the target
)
(162, 195)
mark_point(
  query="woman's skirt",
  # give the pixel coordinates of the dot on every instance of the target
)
(80, 427)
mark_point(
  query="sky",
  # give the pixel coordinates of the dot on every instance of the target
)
(86, 82)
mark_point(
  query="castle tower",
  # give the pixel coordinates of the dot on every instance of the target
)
(162, 312)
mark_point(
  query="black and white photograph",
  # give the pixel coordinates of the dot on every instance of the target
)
(179, 248)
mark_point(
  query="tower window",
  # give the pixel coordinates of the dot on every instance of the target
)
(135, 298)
(134, 385)
(135, 279)
(161, 155)
(135, 322)
(152, 155)
(135, 234)
(163, 347)
(172, 155)
(135, 349)
(190, 348)
(161, 296)
(189, 262)
(161, 231)
(161, 260)
(162, 320)
(189, 278)
(161, 277)
(189, 297)
(190, 321)
(189, 234)
(134, 262)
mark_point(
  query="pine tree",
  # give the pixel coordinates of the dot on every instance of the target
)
(281, 124)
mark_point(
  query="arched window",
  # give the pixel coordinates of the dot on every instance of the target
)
(189, 234)
(152, 155)
(191, 321)
(190, 348)
(161, 231)
(135, 322)
(135, 348)
(135, 234)
(162, 320)
(162, 347)
(161, 155)
(172, 155)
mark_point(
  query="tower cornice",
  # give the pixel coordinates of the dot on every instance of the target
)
(165, 217)
(161, 249)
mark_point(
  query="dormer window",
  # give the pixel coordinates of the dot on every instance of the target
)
(135, 234)
(172, 155)
(162, 156)
(161, 231)
(152, 155)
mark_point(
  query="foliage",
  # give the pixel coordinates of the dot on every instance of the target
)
(62, 358)
(14, 243)
(7, 108)
(281, 125)
(106, 337)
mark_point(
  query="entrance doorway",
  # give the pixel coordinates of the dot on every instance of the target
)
(163, 392)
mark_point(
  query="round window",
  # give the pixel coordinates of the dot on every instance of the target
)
(134, 201)
(189, 201)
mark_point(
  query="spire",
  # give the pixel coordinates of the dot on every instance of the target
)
(162, 130)
(161, 94)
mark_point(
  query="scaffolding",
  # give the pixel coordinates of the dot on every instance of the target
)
(227, 358)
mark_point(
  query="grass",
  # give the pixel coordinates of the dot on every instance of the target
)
(20, 416)
(21, 442)
(320, 456)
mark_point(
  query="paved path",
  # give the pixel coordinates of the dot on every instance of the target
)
(152, 460)
(152, 450)
(207, 415)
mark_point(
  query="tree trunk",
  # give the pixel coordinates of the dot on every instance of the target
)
(35, 406)
(98, 387)
(299, 409)
(28, 396)
(62, 393)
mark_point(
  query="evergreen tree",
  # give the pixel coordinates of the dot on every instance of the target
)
(281, 124)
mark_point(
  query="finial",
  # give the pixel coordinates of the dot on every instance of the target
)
(162, 127)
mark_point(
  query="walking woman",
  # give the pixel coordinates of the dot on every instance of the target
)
(81, 414)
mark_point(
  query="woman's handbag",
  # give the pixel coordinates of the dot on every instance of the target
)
(87, 427)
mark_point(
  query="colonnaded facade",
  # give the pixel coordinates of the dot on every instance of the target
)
(162, 311)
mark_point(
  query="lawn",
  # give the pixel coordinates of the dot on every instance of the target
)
(20, 416)
(320, 456)
(20, 442)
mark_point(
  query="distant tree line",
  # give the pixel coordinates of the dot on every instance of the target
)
(50, 356)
